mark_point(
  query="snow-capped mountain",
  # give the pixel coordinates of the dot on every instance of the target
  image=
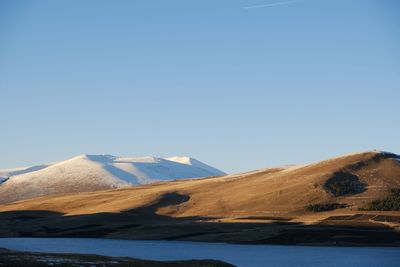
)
(5, 174)
(96, 172)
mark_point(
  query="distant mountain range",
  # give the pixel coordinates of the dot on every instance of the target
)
(96, 172)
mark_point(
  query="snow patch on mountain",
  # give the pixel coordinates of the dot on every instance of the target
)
(195, 163)
(5, 174)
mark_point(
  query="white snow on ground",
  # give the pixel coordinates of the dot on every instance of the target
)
(96, 172)
(195, 163)
(5, 174)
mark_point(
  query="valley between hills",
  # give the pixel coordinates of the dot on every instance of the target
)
(352, 200)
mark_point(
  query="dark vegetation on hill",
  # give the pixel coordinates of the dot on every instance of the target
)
(343, 183)
(325, 207)
(390, 203)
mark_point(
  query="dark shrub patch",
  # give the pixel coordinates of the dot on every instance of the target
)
(325, 207)
(391, 202)
(343, 183)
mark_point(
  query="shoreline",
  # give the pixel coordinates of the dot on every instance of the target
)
(236, 254)
(11, 258)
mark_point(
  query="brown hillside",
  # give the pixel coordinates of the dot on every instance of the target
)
(272, 191)
(280, 194)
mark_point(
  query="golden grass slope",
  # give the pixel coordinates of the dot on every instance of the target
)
(279, 192)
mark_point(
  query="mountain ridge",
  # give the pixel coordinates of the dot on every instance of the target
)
(96, 172)
(347, 200)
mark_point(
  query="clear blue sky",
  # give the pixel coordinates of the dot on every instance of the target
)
(238, 84)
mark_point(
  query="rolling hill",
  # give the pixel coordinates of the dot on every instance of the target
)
(294, 204)
(96, 172)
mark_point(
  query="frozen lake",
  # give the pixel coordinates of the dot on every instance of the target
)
(239, 255)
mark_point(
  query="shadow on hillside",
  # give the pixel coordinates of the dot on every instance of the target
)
(48, 223)
(145, 223)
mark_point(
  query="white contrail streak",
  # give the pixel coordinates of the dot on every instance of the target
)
(270, 4)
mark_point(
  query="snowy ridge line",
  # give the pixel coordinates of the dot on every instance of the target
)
(97, 172)
(133, 170)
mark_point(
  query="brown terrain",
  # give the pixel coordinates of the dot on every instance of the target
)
(271, 206)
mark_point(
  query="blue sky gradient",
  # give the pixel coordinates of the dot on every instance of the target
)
(240, 85)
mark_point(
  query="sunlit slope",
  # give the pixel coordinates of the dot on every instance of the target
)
(97, 172)
(270, 192)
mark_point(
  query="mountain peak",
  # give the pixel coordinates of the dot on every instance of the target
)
(88, 172)
(181, 159)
